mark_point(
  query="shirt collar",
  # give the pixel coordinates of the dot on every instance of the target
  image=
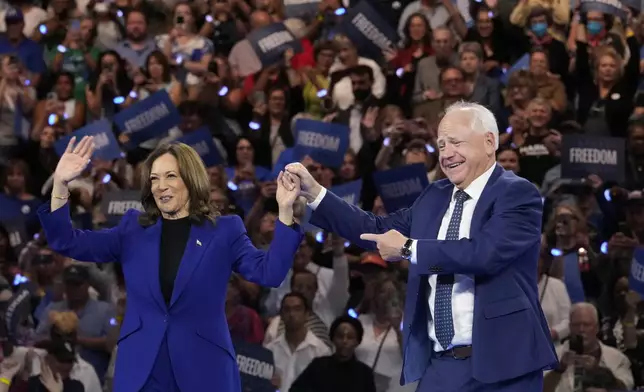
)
(475, 189)
(309, 341)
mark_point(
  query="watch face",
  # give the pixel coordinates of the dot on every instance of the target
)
(405, 252)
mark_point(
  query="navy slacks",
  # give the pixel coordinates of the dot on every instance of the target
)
(446, 374)
(162, 378)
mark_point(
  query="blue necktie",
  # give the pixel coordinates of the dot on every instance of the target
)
(443, 322)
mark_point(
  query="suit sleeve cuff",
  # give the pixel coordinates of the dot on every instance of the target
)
(414, 245)
(315, 203)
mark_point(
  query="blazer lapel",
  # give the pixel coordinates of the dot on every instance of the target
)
(442, 204)
(486, 197)
(153, 234)
(200, 236)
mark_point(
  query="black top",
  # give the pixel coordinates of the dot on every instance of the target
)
(328, 374)
(69, 385)
(174, 237)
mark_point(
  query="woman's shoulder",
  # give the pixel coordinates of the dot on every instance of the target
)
(231, 222)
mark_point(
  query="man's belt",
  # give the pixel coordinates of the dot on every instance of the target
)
(458, 352)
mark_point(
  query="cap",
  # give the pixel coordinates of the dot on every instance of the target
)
(13, 15)
(63, 350)
(75, 274)
(371, 263)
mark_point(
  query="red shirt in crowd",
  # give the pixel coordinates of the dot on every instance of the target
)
(246, 325)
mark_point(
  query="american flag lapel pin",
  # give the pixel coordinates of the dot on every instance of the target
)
(198, 243)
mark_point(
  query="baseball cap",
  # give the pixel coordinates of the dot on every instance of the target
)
(13, 15)
(371, 262)
(75, 274)
(63, 350)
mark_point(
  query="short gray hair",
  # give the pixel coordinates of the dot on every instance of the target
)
(481, 118)
(585, 306)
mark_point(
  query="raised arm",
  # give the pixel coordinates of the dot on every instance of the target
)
(269, 268)
(81, 245)
(331, 213)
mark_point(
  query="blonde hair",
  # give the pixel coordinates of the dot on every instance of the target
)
(193, 173)
(609, 51)
(65, 322)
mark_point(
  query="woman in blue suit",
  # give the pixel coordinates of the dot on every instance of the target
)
(177, 256)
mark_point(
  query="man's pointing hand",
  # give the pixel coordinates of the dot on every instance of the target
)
(389, 244)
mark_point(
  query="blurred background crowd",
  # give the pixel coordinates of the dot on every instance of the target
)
(334, 323)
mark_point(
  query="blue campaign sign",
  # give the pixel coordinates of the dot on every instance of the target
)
(612, 7)
(368, 31)
(633, 4)
(583, 155)
(116, 203)
(349, 192)
(301, 8)
(325, 143)
(151, 117)
(17, 230)
(270, 43)
(284, 159)
(522, 63)
(256, 367)
(636, 280)
(401, 186)
(11, 208)
(107, 148)
(201, 141)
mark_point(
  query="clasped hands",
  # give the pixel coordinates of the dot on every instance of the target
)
(296, 179)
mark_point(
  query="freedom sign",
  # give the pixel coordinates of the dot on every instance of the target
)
(300, 8)
(636, 279)
(368, 31)
(633, 4)
(612, 7)
(256, 367)
(349, 192)
(18, 311)
(270, 43)
(522, 63)
(151, 117)
(17, 230)
(106, 146)
(116, 203)
(325, 143)
(201, 141)
(583, 155)
(400, 187)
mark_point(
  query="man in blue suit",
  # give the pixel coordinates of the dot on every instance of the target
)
(472, 318)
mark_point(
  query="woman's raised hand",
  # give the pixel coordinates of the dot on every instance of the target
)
(75, 159)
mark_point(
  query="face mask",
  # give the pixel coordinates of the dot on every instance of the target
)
(594, 27)
(540, 29)
(361, 95)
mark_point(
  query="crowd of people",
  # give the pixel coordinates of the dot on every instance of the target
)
(334, 323)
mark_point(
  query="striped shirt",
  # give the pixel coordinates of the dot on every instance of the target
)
(313, 323)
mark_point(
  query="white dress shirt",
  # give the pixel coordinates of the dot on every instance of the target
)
(331, 297)
(555, 304)
(290, 364)
(342, 93)
(82, 371)
(463, 290)
(611, 359)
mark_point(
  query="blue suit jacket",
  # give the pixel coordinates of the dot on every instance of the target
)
(510, 335)
(195, 322)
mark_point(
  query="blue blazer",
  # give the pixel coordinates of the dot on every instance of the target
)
(198, 338)
(510, 335)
